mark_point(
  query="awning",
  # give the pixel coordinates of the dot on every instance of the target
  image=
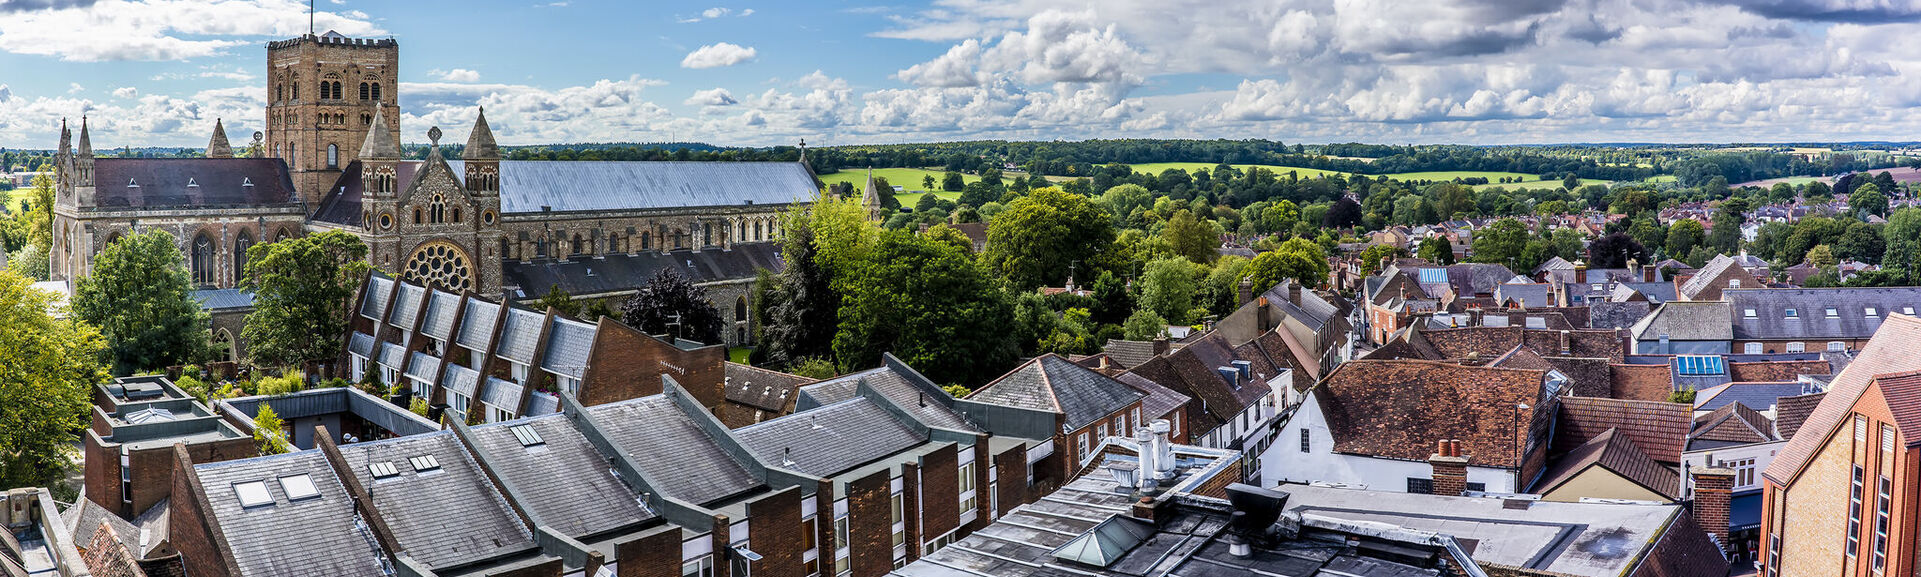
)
(1744, 512)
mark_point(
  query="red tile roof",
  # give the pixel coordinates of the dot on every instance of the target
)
(1643, 382)
(1659, 428)
(1903, 392)
(1614, 452)
(1790, 412)
(1895, 347)
(1399, 409)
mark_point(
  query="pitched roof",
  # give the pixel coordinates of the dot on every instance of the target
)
(1614, 452)
(672, 450)
(569, 342)
(1793, 411)
(441, 308)
(328, 540)
(197, 182)
(480, 141)
(1398, 409)
(831, 439)
(1159, 400)
(570, 186)
(1733, 424)
(563, 482)
(520, 335)
(1706, 277)
(1896, 347)
(1686, 321)
(440, 536)
(1903, 392)
(761, 388)
(1755, 396)
(1811, 305)
(904, 390)
(1128, 354)
(1053, 384)
(625, 272)
(1660, 429)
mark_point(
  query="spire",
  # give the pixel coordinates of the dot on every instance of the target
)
(218, 147)
(870, 198)
(66, 138)
(480, 142)
(86, 141)
(380, 140)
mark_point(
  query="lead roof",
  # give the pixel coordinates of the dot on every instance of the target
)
(563, 481)
(673, 451)
(570, 186)
(327, 541)
(829, 440)
(415, 503)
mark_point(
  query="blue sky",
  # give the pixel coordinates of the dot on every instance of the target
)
(157, 72)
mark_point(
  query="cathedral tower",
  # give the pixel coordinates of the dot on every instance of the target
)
(322, 95)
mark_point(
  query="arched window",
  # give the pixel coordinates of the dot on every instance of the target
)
(223, 345)
(376, 91)
(613, 242)
(646, 240)
(338, 94)
(540, 248)
(579, 247)
(757, 230)
(203, 263)
(363, 91)
(240, 245)
(282, 235)
(740, 309)
(416, 215)
(437, 209)
(293, 155)
(333, 156)
(456, 215)
(504, 252)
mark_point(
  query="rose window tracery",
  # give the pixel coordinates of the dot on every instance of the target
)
(440, 264)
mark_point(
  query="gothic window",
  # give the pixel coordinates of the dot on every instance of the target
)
(503, 250)
(363, 91)
(240, 245)
(540, 248)
(293, 152)
(646, 240)
(296, 89)
(333, 156)
(437, 209)
(223, 345)
(203, 263)
(578, 246)
(440, 264)
(280, 236)
(416, 215)
(613, 242)
(280, 92)
(757, 230)
(456, 215)
(740, 309)
(376, 91)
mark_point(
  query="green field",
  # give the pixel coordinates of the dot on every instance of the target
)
(908, 199)
(1530, 181)
(1158, 167)
(910, 178)
(13, 197)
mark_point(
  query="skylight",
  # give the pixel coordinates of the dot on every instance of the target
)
(424, 463)
(1791, 313)
(299, 487)
(1832, 313)
(1750, 313)
(527, 435)
(1873, 312)
(383, 469)
(252, 493)
(1700, 365)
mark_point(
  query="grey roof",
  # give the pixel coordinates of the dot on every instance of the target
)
(538, 186)
(425, 368)
(441, 309)
(896, 388)
(415, 503)
(672, 450)
(1313, 311)
(520, 335)
(392, 355)
(540, 403)
(223, 299)
(1656, 292)
(626, 272)
(1054, 384)
(478, 324)
(407, 306)
(361, 344)
(1159, 400)
(85, 517)
(568, 345)
(263, 539)
(376, 301)
(198, 182)
(1811, 321)
(761, 388)
(459, 379)
(829, 440)
(563, 482)
(502, 394)
(1706, 277)
(1128, 354)
(1686, 321)
(1757, 396)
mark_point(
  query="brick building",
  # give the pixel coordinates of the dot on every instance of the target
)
(128, 447)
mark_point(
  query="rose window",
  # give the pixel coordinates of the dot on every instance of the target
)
(440, 264)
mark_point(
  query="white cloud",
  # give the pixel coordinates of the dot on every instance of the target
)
(455, 75)
(126, 92)
(712, 97)
(159, 30)
(717, 55)
(75, 88)
(714, 12)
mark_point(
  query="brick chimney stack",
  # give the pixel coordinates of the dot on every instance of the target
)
(1713, 489)
(1450, 468)
(1294, 292)
(1247, 290)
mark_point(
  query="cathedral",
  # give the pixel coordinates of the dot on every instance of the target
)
(330, 159)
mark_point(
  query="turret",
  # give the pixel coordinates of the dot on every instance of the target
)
(83, 161)
(379, 156)
(483, 158)
(217, 147)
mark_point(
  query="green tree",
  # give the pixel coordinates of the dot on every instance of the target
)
(952, 182)
(1903, 240)
(1144, 325)
(1436, 250)
(140, 296)
(1868, 200)
(1041, 236)
(927, 182)
(1683, 236)
(48, 367)
(1501, 242)
(815, 368)
(1376, 256)
(671, 304)
(1296, 259)
(1821, 257)
(301, 287)
(1167, 288)
(1198, 240)
(269, 432)
(30, 262)
(1280, 217)
(928, 304)
(1124, 199)
(559, 300)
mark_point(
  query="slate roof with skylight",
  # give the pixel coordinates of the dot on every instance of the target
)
(262, 536)
(558, 476)
(673, 451)
(432, 471)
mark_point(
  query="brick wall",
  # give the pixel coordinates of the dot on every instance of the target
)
(774, 531)
(1713, 488)
(913, 528)
(655, 554)
(870, 531)
(1011, 479)
(940, 493)
(1216, 487)
(102, 472)
(627, 364)
(552, 568)
(191, 532)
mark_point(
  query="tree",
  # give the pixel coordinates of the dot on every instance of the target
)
(1122, 200)
(1573, 182)
(1111, 299)
(1376, 256)
(560, 301)
(1903, 242)
(1821, 257)
(1298, 259)
(952, 182)
(140, 296)
(1041, 236)
(30, 262)
(1868, 200)
(301, 287)
(48, 367)
(269, 432)
(1501, 242)
(928, 304)
(927, 181)
(1144, 325)
(1193, 238)
(1167, 288)
(1436, 250)
(1615, 250)
(1683, 236)
(1343, 213)
(671, 304)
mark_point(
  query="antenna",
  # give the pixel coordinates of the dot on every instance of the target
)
(309, 17)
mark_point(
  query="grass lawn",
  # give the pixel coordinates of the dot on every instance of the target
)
(13, 197)
(903, 177)
(1663, 178)
(739, 354)
(908, 199)
(1158, 167)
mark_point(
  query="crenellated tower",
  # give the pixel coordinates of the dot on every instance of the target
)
(323, 93)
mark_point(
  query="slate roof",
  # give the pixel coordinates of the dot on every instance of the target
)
(831, 439)
(192, 182)
(85, 517)
(1530, 295)
(1656, 292)
(1159, 400)
(625, 272)
(563, 482)
(222, 299)
(1811, 321)
(1053, 384)
(1660, 429)
(1686, 321)
(569, 343)
(761, 388)
(1755, 396)
(898, 389)
(572, 186)
(502, 394)
(342, 205)
(1792, 411)
(414, 503)
(1896, 347)
(392, 355)
(520, 335)
(1616, 453)
(407, 306)
(1398, 409)
(442, 306)
(460, 379)
(1128, 354)
(1612, 315)
(424, 367)
(361, 344)
(326, 542)
(377, 291)
(477, 326)
(1469, 279)
(1707, 276)
(671, 450)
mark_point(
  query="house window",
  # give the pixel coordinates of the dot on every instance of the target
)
(810, 529)
(840, 533)
(1881, 523)
(1837, 346)
(1797, 347)
(966, 477)
(1082, 443)
(1734, 283)
(1751, 348)
(1103, 429)
(1854, 511)
(1420, 486)
(1306, 445)
(702, 567)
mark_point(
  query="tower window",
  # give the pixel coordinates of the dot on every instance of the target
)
(363, 91)
(333, 156)
(376, 86)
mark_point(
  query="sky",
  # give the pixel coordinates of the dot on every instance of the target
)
(839, 72)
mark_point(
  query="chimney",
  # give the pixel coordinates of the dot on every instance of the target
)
(1163, 448)
(1713, 488)
(1260, 316)
(1294, 292)
(1160, 346)
(1450, 468)
(1567, 344)
(1247, 290)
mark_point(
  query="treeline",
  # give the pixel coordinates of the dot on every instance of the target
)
(1758, 165)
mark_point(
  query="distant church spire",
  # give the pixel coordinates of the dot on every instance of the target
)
(870, 198)
(86, 141)
(217, 147)
(380, 140)
(66, 138)
(480, 143)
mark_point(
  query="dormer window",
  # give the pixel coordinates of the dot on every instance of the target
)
(1734, 283)
(1750, 313)
(192, 184)
(1791, 313)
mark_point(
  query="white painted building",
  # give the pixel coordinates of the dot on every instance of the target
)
(1255, 427)
(1304, 453)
